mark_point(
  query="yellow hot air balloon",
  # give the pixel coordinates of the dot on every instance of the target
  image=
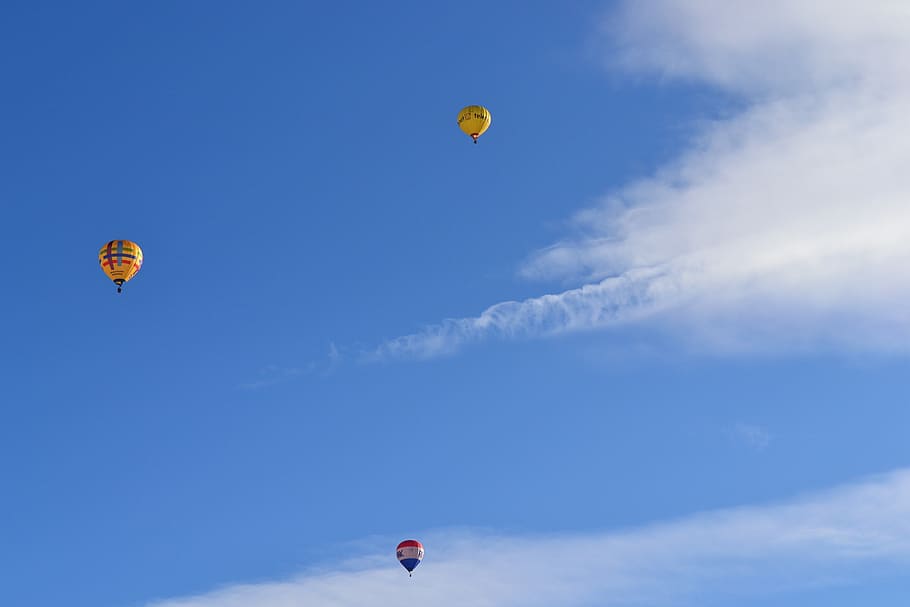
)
(120, 260)
(474, 120)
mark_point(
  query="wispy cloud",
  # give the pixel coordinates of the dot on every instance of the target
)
(784, 226)
(848, 534)
(275, 374)
(630, 295)
(751, 435)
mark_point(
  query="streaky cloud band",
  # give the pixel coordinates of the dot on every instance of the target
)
(783, 227)
(836, 537)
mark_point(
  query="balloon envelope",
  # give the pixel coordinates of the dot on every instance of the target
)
(474, 120)
(120, 260)
(410, 553)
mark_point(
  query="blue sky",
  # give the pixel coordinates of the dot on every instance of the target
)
(644, 343)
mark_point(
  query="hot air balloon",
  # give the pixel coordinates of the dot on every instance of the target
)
(120, 260)
(410, 553)
(474, 120)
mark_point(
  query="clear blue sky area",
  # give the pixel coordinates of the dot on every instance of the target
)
(296, 179)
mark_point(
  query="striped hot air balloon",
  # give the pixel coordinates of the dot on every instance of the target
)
(120, 260)
(410, 553)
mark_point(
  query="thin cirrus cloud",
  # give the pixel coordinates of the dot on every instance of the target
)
(847, 535)
(752, 436)
(786, 225)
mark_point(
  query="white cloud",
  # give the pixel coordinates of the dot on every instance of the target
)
(765, 49)
(274, 374)
(841, 536)
(785, 226)
(751, 435)
(617, 298)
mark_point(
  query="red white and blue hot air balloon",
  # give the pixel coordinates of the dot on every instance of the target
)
(410, 553)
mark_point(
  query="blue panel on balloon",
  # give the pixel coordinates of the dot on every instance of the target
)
(409, 564)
